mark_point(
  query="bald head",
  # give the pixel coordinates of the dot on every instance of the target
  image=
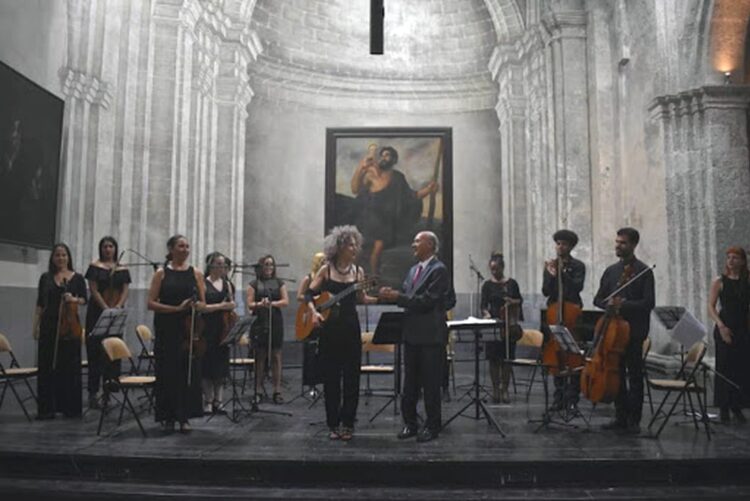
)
(425, 245)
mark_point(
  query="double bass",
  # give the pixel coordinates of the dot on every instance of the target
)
(600, 379)
(561, 315)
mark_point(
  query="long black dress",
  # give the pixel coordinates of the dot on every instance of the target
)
(732, 359)
(267, 288)
(105, 280)
(493, 298)
(175, 400)
(216, 359)
(340, 347)
(59, 388)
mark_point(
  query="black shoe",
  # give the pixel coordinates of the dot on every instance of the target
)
(738, 416)
(407, 432)
(218, 409)
(557, 405)
(632, 429)
(614, 425)
(724, 415)
(426, 434)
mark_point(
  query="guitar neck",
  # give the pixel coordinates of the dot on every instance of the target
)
(338, 297)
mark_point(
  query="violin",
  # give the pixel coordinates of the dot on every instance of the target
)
(68, 322)
(228, 317)
(600, 378)
(561, 315)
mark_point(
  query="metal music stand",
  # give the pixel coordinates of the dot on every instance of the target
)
(389, 331)
(567, 344)
(111, 323)
(475, 325)
(240, 327)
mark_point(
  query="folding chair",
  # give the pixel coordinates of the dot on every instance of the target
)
(116, 349)
(146, 339)
(380, 369)
(245, 364)
(686, 383)
(647, 348)
(532, 339)
(14, 372)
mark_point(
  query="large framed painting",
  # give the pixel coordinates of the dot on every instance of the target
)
(30, 134)
(391, 183)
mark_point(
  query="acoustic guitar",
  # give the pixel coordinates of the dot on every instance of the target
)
(323, 304)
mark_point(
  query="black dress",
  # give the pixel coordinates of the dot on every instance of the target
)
(58, 389)
(175, 400)
(216, 359)
(732, 359)
(105, 280)
(268, 288)
(340, 347)
(493, 298)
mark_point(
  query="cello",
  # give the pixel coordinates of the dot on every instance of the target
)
(600, 378)
(561, 315)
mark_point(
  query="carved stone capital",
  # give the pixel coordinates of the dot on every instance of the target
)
(80, 85)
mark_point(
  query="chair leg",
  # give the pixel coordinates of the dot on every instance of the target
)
(31, 390)
(122, 407)
(513, 378)
(671, 411)
(104, 411)
(18, 397)
(648, 393)
(659, 409)
(704, 415)
(531, 382)
(5, 388)
(126, 400)
(692, 411)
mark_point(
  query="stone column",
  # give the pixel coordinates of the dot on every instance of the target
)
(704, 134)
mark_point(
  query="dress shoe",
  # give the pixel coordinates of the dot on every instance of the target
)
(426, 434)
(632, 429)
(614, 425)
(738, 416)
(407, 432)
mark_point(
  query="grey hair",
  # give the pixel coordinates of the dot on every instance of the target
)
(434, 239)
(338, 237)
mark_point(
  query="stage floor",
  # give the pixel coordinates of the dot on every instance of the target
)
(270, 450)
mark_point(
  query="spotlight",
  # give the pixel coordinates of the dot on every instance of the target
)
(727, 77)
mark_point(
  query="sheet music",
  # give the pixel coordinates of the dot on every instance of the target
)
(689, 330)
(473, 321)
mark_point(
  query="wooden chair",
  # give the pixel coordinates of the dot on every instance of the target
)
(146, 340)
(532, 339)
(116, 349)
(685, 384)
(14, 372)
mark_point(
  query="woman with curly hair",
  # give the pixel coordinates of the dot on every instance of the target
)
(340, 342)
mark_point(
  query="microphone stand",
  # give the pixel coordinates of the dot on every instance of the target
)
(480, 279)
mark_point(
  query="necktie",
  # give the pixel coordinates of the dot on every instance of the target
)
(416, 275)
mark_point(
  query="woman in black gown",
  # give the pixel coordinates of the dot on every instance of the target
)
(108, 283)
(174, 289)
(219, 299)
(495, 293)
(732, 334)
(59, 379)
(340, 342)
(263, 294)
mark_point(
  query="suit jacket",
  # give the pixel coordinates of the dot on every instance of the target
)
(426, 303)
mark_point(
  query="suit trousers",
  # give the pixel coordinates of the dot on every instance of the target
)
(423, 366)
(629, 401)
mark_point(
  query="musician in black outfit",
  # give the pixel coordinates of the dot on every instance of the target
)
(340, 336)
(427, 296)
(573, 277)
(634, 304)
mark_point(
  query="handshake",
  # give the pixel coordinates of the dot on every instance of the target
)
(387, 295)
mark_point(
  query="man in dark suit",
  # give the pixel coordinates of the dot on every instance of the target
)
(427, 295)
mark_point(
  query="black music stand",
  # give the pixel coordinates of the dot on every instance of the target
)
(111, 323)
(475, 325)
(240, 328)
(568, 344)
(389, 331)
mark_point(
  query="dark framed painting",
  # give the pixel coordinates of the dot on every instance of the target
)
(391, 183)
(31, 121)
